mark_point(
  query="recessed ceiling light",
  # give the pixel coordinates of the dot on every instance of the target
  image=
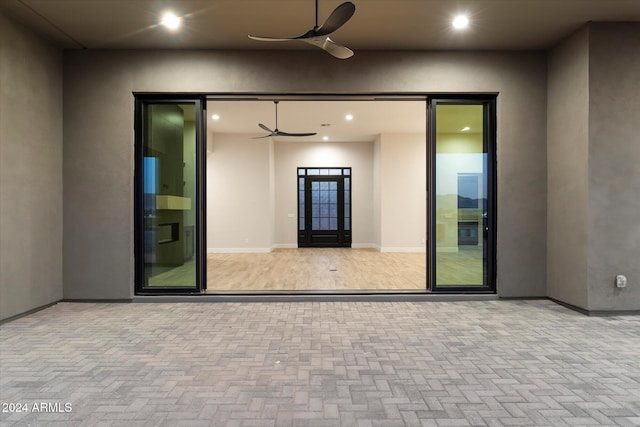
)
(171, 21)
(460, 22)
(348, 117)
(325, 138)
(215, 117)
(464, 129)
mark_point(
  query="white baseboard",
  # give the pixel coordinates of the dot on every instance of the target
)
(364, 246)
(403, 249)
(285, 246)
(238, 250)
(295, 246)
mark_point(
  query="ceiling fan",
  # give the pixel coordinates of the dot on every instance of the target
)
(277, 132)
(319, 35)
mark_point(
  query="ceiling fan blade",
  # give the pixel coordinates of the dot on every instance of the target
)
(260, 137)
(295, 134)
(337, 19)
(273, 39)
(340, 52)
(265, 128)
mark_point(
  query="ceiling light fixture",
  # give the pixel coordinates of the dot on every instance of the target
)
(348, 117)
(464, 129)
(460, 22)
(215, 117)
(171, 21)
(325, 138)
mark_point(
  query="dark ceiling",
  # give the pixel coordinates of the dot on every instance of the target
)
(376, 25)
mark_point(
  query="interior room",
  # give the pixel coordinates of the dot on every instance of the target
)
(253, 211)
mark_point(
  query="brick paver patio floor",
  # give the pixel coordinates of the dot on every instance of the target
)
(385, 364)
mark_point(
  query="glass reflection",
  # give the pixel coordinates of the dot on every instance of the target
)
(461, 196)
(169, 174)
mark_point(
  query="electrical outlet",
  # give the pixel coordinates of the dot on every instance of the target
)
(621, 281)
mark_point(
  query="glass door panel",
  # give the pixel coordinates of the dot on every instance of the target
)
(462, 202)
(167, 255)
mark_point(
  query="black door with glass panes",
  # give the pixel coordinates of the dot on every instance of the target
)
(324, 207)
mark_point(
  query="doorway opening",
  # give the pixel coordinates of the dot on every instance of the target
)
(281, 213)
(341, 211)
(324, 207)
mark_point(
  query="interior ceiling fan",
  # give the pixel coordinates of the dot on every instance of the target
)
(277, 132)
(319, 35)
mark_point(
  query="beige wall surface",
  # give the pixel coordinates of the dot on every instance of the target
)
(98, 167)
(377, 202)
(239, 209)
(567, 192)
(289, 155)
(403, 192)
(30, 171)
(239, 186)
(614, 165)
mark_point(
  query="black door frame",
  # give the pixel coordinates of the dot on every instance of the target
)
(487, 99)
(306, 237)
(490, 222)
(141, 100)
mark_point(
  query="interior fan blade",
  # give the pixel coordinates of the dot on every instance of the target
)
(276, 132)
(295, 134)
(265, 128)
(337, 19)
(340, 52)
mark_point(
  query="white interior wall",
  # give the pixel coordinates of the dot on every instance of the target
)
(239, 197)
(289, 155)
(252, 191)
(403, 192)
(272, 191)
(376, 192)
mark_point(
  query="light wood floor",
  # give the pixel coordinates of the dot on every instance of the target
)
(327, 269)
(316, 269)
(462, 268)
(181, 276)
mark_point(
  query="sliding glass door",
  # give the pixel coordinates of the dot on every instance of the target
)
(169, 195)
(463, 196)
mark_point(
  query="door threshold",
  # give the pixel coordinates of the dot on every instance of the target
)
(316, 297)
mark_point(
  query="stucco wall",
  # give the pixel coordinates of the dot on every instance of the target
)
(568, 167)
(30, 171)
(614, 165)
(98, 119)
(593, 172)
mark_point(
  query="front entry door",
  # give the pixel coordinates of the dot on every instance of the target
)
(324, 207)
